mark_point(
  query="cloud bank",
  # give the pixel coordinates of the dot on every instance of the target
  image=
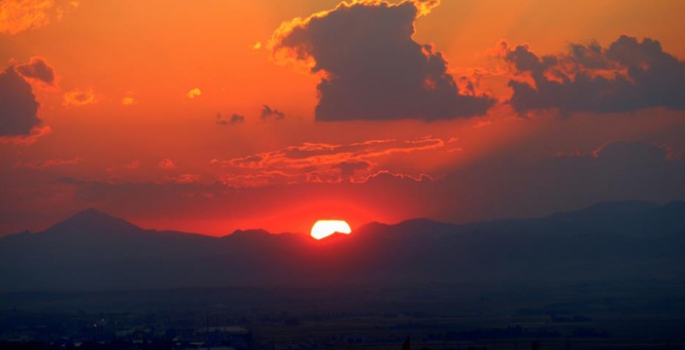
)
(626, 76)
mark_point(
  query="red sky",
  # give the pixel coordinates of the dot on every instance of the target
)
(214, 115)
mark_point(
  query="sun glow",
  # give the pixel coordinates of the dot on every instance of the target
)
(325, 228)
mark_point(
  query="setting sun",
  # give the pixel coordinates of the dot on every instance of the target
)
(325, 228)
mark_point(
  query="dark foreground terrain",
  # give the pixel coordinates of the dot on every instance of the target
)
(611, 276)
(586, 316)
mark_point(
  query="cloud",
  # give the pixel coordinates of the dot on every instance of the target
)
(641, 153)
(39, 70)
(39, 165)
(235, 119)
(193, 93)
(617, 170)
(508, 186)
(370, 66)
(19, 15)
(348, 169)
(268, 113)
(628, 75)
(132, 165)
(424, 7)
(319, 162)
(18, 105)
(482, 124)
(187, 179)
(36, 133)
(128, 167)
(167, 164)
(78, 98)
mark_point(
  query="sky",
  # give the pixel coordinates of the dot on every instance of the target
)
(215, 115)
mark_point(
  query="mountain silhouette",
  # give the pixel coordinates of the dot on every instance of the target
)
(92, 250)
(91, 224)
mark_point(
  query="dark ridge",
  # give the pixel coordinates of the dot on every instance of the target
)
(240, 234)
(92, 220)
(95, 251)
(624, 207)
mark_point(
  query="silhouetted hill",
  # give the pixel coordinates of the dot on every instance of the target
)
(92, 221)
(634, 241)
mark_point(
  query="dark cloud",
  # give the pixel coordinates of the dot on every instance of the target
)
(38, 69)
(49, 163)
(633, 154)
(268, 113)
(235, 119)
(18, 105)
(25, 140)
(508, 187)
(348, 169)
(621, 170)
(627, 76)
(372, 68)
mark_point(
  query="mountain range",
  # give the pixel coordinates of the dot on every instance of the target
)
(631, 240)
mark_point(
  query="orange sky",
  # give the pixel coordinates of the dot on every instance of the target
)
(145, 93)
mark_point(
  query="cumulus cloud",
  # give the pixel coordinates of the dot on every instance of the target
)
(19, 15)
(234, 119)
(627, 76)
(39, 70)
(370, 66)
(268, 113)
(18, 105)
(78, 98)
(319, 162)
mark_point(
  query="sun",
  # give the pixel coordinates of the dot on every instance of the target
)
(325, 228)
